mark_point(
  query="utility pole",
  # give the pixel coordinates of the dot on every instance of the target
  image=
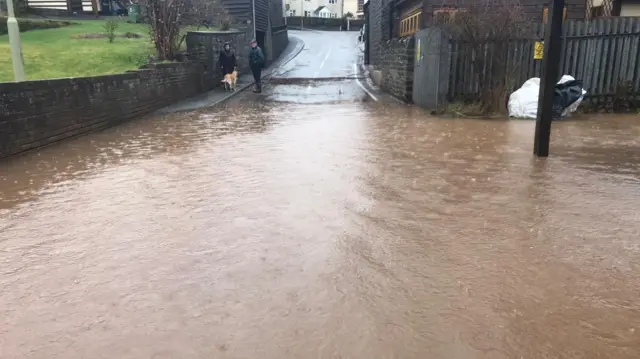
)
(550, 72)
(14, 43)
(302, 14)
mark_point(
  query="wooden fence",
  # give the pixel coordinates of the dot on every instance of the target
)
(321, 23)
(602, 53)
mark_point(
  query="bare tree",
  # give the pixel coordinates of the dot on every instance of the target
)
(487, 30)
(166, 19)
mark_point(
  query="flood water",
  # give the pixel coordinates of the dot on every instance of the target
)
(350, 230)
(306, 223)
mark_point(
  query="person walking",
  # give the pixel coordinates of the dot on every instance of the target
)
(256, 62)
(227, 59)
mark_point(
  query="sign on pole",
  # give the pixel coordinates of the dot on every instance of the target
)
(538, 50)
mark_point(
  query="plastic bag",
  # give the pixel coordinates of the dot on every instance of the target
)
(565, 95)
(573, 106)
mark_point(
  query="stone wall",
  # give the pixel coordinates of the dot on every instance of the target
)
(390, 59)
(37, 113)
(279, 41)
(379, 27)
(394, 70)
(205, 46)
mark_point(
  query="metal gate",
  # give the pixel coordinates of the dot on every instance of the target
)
(431, 68)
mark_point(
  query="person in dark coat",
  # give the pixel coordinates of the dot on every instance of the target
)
(256, 62)
(227, 59)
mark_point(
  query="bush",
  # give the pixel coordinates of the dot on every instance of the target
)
(166, 18)
(110, 27)
(225, 23)
(28, 24)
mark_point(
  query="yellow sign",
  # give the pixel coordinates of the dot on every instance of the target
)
(538, 50)
(418, 51)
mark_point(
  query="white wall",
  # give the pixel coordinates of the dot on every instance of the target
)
(335, 8)
(630, 9)
(351, 6)
(325, 13)
(300, 6)
(46, 4)
(59, 5)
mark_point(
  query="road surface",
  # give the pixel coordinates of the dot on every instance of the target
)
(312, 222)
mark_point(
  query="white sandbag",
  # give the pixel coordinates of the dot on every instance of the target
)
(523, 103)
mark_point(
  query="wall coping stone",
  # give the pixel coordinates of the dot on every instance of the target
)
(217, 32)
(55, 83)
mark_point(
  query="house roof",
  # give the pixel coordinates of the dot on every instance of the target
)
(319, 9)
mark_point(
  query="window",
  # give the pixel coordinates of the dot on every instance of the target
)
(292, 13)
(332, 1)
(410, 24)
(307, 13)
(545, 14)
(333, 16)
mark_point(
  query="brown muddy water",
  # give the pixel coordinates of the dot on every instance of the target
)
(335, 230)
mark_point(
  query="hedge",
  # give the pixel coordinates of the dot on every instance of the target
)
(30, 24)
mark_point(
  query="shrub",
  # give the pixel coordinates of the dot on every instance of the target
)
(110, 27)
(225, 23)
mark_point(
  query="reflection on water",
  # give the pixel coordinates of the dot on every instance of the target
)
(351, 230)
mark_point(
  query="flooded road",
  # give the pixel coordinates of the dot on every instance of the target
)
(309, 222)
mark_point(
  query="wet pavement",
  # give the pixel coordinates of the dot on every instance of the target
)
(310, 222)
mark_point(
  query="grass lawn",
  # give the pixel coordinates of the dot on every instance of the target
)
(55, 53)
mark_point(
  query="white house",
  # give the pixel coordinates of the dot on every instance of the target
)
(314, 8)
(322, 11)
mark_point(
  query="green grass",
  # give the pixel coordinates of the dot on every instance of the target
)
(55, 53)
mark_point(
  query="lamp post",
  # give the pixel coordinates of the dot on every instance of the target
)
(14, 43)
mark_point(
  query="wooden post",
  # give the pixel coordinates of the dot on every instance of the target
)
(550, 75)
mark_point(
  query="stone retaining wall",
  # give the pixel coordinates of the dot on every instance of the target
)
(393, 71)
(390, 59)
(279, 42)
(38, 113)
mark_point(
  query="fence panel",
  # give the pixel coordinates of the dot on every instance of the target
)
(603, 53)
